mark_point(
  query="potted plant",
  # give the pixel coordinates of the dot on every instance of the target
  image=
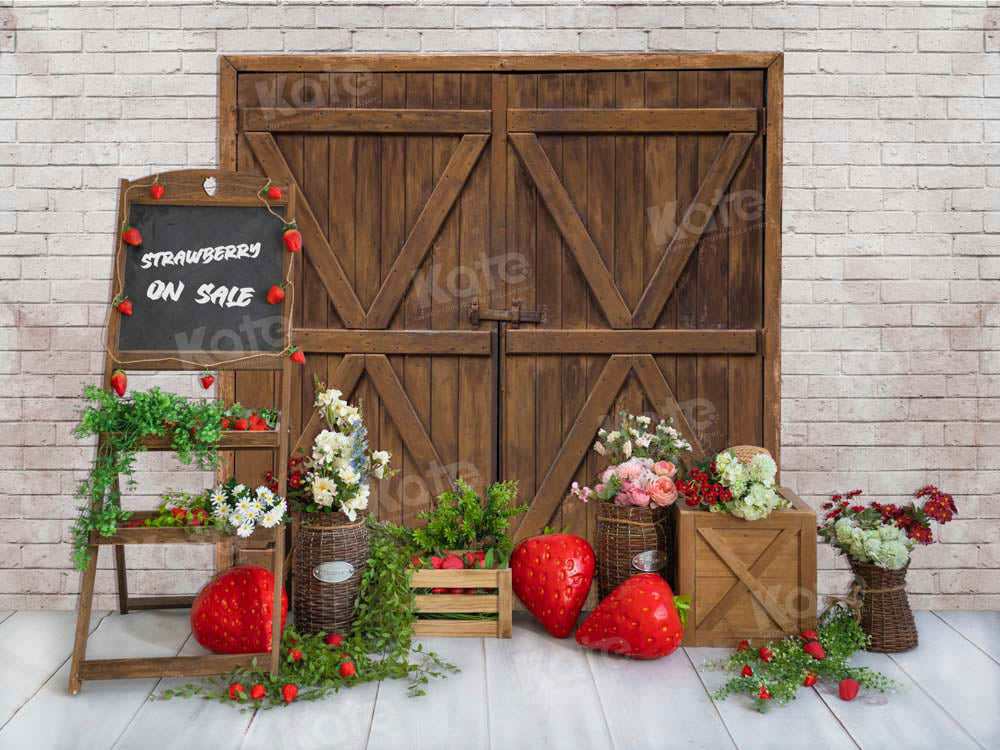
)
(877, 540)
(633, 493)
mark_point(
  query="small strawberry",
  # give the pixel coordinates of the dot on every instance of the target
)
(178, 513)
(746, 672)
(815, 650)
(289, 691)
(274, 193)
(226, 423)
(296, 656)
(811, 679)
(258, 691)
(119, 382)
(293, 238)
(416, 562)
(206, 380)
(134, 524)
(810, 635)
(744, 645)
(241, 424)
(259, 427)
(297, 356)
(763, 694)
(237, 692)
(452, 562)
(849, 688)
(198, 517)
(156, 191)
(765, 654)
(124, 306)
(347, 669)
(275, 294)
(334, 639)
(131, 236)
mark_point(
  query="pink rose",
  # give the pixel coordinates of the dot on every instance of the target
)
(638, 496)
(664, 469)
(628, 471)
(622, 499)
(662, 491)
(607, 474)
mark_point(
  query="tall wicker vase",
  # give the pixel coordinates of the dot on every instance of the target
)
(623, 531)
(324, 538)
(885, 610)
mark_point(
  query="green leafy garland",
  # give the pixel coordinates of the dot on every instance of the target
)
(787, 666)
(462, 520)
(195, 429)
(380, 645)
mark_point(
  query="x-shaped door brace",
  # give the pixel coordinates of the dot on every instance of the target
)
(410, 256)
(396, 402)
(581, 433)
(677, 253)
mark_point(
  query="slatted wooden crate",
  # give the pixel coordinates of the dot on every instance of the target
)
(753, 580)
(498, 601)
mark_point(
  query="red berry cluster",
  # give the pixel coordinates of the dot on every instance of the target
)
(702, 489)
(296, 477)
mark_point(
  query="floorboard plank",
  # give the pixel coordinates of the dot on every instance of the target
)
(807, 718)
(5, 614)
(185, 723)
(982, 628)
(33, 645)
(644, 699)
(907, 718)
(339, 722)
(542, 693)
(957, 674)
(100, 713)
(453, 708)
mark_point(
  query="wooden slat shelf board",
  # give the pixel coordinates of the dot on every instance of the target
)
(469, 343)
(160, 602)
(231, 439)
(643, 120)
(176, 534)
(169, 666)
(610, 341)
(457, 603)
(455, 628)
(339, 120)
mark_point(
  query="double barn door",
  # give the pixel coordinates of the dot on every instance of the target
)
(502, 253)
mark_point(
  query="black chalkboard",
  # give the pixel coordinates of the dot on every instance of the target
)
(205, 248)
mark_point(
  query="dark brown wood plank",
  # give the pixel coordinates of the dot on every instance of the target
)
(772, 260)
(610, 341)
(419, 240)
(443, 342)
(585, 252)
(334, 120)
(168, 666)
(663, 400)
(345, 378)
(634, 120)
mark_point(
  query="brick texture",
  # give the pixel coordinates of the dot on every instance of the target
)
(892, 235)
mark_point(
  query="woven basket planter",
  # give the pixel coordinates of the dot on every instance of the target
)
(623, 531)
(327, 538)
(885, 609)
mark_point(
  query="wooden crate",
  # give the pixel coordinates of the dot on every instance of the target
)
(753, 580)
(498, 603)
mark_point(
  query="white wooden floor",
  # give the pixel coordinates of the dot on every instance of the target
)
(532, 692)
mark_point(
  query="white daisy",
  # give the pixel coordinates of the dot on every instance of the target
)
(270, 518)
(265, 494)
(348, 474)
(218, 498)
(256, 508)
(245, 529)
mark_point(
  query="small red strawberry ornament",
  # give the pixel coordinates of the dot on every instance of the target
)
(292, 237)
(552, 574)
(237, 691)
(297, 356)
(156, 191)
(347, 669)
(765, 654)
(241, 424)
(206, 380)
(744, 645)
(334, 639)
(811, 679)
(289, 691)
(296, 656)
(274, 193)
(815, 650)
(637, 619)
(810, 635)
(119, 382)
(848, 688)
(258, 691)
(232, 613)
(124, 306)
(275, 294)
(132, 237)
(746, 671)
(763, 694)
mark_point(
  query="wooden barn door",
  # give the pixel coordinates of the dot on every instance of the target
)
(394, 200)
(636, 199)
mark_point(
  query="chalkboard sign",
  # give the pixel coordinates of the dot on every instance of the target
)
(199, 279)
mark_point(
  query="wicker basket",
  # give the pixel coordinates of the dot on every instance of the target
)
(744, 453)
(623, 531)
(885, 608)
(323, 538)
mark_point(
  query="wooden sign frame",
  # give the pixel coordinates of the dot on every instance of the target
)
(186, 188)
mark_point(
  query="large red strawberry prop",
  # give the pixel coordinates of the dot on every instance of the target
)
(552, 574)
(232, 613)
(637, 619)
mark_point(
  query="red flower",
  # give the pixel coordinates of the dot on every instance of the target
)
(858, 508)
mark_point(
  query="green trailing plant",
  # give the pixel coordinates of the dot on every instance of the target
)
(194, 427)
(379, 646)
(463, 520)
(773, 673)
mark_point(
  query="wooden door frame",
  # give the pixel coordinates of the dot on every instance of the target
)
(770, 63)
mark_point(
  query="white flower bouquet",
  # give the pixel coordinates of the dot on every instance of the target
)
(726, 484)
(237, 506)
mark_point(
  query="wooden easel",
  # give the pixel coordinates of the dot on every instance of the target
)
(187, 188)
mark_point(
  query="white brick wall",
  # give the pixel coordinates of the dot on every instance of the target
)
(892, 233)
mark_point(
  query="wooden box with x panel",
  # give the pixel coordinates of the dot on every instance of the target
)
(747, 580)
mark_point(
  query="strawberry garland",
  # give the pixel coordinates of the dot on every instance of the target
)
(773, 673)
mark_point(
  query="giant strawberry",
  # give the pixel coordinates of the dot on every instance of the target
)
(232, 613)
(637, 619)
(552, 574)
